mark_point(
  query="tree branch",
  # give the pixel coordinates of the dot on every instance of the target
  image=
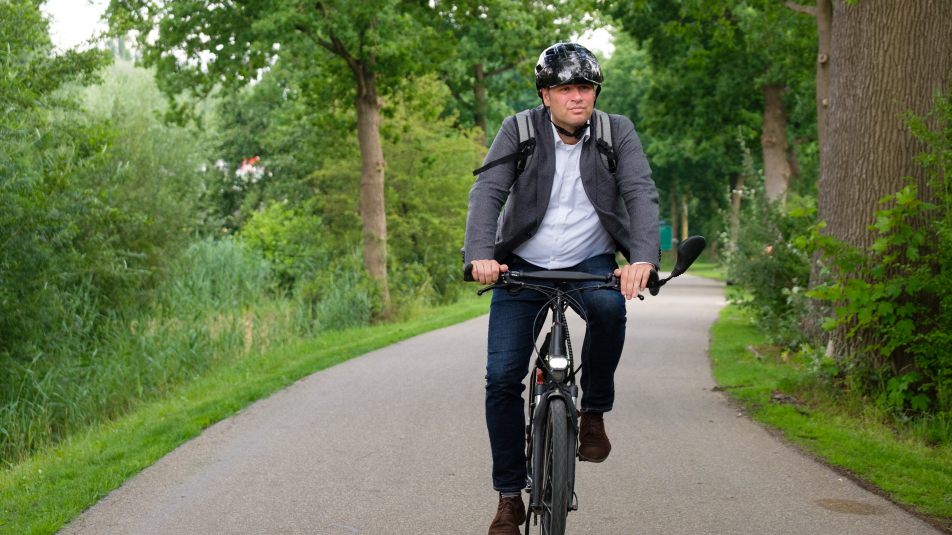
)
(809, 10)
(501, 70)
(307, 31)
(456, 95)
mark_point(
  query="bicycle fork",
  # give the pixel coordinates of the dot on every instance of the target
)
(535, 438)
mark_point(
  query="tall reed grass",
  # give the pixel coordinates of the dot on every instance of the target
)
(218, 304)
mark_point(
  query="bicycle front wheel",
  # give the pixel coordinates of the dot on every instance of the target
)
(555, 476)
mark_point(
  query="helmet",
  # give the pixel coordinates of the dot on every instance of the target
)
(567, 63)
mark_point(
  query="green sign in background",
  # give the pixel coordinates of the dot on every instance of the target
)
(665, 236)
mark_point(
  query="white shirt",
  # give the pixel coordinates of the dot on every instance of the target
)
(570, 232)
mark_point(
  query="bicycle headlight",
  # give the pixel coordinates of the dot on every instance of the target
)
(558, 363)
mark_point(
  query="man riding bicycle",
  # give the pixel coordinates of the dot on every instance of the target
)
(566, 210)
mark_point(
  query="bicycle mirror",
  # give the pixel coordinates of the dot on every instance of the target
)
(688, 252)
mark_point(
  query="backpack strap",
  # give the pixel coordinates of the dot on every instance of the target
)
(603, 140)
(523, 154)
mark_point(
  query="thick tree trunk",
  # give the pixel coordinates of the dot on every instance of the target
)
(479, 98)
(886, 58)
(373, 213)
(737, 193)
(773, 140)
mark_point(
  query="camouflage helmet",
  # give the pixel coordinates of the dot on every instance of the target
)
(567, 63)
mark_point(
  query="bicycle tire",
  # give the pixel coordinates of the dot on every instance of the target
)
(555, 477)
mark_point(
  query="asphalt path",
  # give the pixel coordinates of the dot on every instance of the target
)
(394, 442)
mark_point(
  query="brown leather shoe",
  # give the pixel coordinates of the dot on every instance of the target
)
(510, 514)
(593, 444)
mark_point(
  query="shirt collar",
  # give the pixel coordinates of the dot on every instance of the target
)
(558, 139)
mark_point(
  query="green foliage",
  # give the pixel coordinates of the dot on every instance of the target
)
(495, 37)
(291, 240)
(308, 221)
(898, 294)
(94, 370)
(205, 45)
(766, 264)
(708, 62)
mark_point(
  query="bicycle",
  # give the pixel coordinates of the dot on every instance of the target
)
(552, 431)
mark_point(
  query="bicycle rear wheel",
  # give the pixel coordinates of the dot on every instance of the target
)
(555, 476)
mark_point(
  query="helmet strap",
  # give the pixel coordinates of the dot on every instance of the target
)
(576, 134)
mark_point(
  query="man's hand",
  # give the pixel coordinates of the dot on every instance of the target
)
(487, 271)
(634, 279)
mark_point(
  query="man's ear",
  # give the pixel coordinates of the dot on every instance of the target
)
(545, 97)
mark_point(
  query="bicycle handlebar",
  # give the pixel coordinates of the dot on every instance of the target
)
(548, 276)
(654, 284)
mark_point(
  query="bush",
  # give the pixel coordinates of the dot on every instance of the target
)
(766, 264)
(896, 299)
(99, 365)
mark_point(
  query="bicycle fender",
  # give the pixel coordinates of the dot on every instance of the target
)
(540, 416)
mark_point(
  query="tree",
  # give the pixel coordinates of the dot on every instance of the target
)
(885, 59)
(497, 36)
(368, 47)
(823, 13)
(717, 67)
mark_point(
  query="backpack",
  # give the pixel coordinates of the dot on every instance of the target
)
(527, 142)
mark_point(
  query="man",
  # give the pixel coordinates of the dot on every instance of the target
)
(565, 210)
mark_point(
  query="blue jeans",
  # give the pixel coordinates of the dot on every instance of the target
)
(511, 339)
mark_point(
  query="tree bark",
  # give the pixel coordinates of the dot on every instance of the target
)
(773, 140)
(479, 97)
(684, 217)
(824, 30)
(373, 212)
(793, 159)
(886, 58)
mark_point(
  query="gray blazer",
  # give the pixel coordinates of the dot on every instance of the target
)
(626, 205)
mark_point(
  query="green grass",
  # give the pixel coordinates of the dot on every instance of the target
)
(702, 267)
(42, 494)
(843, 433)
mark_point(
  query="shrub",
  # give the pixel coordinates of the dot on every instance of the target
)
(772, 272)
(897, 297)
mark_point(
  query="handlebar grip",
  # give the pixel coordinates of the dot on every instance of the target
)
(468, 273)
(653, 286)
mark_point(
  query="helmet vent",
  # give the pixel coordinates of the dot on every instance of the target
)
(570, 48)
(550, 52)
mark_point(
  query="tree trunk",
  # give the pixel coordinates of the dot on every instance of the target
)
(886, 58)
(674, 214)
(824, 30)
(773, 140)
(684, 217)
(793, 159)
(674, 225)
(479, 97)
(737, 193)
(373, 213)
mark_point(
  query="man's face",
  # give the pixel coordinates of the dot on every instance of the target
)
(571, 104)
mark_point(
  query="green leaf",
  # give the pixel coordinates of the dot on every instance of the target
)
(920, 402)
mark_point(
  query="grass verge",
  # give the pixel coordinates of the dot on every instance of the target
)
(782, 395)
(42, 494)
(702, 267)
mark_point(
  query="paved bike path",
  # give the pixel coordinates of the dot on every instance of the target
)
(394, 442)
